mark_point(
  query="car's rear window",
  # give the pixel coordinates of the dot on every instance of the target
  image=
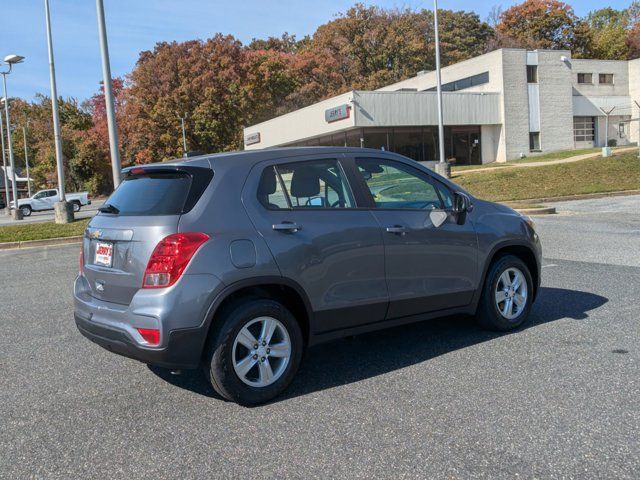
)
(159, 193)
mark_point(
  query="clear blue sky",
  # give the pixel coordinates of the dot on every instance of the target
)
(136, 25)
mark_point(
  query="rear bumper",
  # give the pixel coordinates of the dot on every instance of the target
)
(182, 351)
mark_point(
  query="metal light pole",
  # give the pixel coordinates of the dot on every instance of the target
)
(441, 167)
(63, 210)
(638, 105)
(606, 128)
(26, 156)
(184, 135)
(10, 60)
(7, 210)
(108, 96)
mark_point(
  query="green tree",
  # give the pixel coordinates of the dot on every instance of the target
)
(608, 28)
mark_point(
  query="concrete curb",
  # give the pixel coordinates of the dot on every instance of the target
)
(40, 243)
(582, 196)
(536, 211)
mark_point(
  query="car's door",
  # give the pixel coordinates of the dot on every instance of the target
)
(431, 259)
(307, 213)
(39, 200)
(51, 198)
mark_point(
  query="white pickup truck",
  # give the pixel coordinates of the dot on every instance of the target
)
(45, 199)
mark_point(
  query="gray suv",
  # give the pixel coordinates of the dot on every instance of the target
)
(238, 262)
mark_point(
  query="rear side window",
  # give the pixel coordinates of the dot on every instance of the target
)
(160, 192)
(307, 185)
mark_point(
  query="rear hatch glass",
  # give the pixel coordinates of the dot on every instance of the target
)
(144, 209)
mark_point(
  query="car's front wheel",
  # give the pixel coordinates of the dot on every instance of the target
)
(26, 210)
(255, 352)
(507, 295)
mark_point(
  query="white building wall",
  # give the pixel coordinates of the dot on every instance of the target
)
(515, 104)
(304, 123)
(556, 103)
(634, 93)
(620, 71)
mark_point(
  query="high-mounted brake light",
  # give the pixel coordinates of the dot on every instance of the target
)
(150, 335)
(136, 171)
(170, 257)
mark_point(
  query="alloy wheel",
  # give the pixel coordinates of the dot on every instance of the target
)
(511, 293)
(261, 351)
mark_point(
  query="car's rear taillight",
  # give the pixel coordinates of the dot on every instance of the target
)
(170, 257)
(150, 335)
(81, 261)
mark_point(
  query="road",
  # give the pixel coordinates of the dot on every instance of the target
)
(47, 216)
(441, 399)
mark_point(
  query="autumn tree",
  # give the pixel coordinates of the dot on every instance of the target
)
(540, 24)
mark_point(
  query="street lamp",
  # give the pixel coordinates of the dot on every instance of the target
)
(63, 210)
(441, 167)
(7, 210)
(11, 60)
(26, 155)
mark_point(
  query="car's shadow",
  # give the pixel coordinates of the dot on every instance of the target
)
(372, 354)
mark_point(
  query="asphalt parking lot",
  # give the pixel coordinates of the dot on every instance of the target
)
(441, 399)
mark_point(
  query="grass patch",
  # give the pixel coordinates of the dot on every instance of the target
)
(594, 175)
(561, 155)
(462, 168)
(40, 231)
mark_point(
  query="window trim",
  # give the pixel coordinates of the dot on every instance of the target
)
(419, 173)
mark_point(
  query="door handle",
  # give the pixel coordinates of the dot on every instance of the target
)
(398, 230)
(288, 227)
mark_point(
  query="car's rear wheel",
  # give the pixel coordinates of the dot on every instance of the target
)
(255, 351)
(76, 206)
(26, 210)
(507, 295)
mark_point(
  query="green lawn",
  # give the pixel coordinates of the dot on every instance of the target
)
(561, 155)
(594, 175)
(462, 168)
(39, 231)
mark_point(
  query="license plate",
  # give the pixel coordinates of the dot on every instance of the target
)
(104, 254)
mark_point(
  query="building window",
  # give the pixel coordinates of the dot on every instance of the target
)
(583, 129)
(605, 78)
(585, 78)
(468, 82)
(534, 141)
(532, 74)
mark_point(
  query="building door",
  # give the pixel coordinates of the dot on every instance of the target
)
(466, 145)
(584, 132)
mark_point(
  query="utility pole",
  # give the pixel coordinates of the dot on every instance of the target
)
(108, 96)
(26, 156)
(17, 213)
(184, 135)
(63, 210)
(638, 105)
(606, 128)
(441, 167)
(7, 210)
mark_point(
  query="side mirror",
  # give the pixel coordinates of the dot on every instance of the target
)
(461, 205)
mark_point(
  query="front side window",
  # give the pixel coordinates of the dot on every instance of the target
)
(605, 78)
(312, 184)
(39, 195)
(394, 185)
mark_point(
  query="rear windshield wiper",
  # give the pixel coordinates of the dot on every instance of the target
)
(108, 208)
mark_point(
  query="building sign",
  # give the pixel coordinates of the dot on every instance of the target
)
(252, 138)
(337, 113)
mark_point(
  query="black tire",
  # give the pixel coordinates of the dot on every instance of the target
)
(26, 210)
(219, 366)
(76, 206)
(488, 313)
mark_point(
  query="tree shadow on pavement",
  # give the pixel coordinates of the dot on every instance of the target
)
(357, 358)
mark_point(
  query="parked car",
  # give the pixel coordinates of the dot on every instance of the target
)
(45, 200)
(239, 262)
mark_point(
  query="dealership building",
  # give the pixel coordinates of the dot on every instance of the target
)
(500, 106)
